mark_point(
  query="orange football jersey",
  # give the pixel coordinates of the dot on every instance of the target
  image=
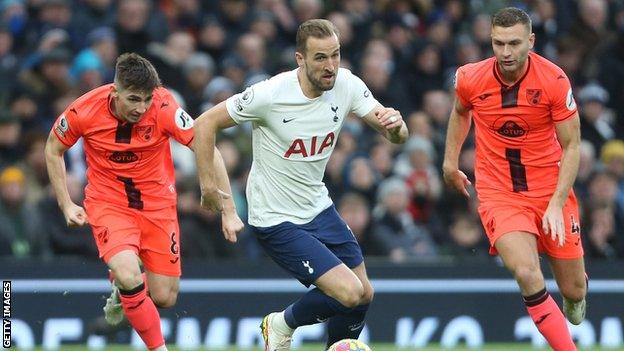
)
(517, 150)
(127, 164)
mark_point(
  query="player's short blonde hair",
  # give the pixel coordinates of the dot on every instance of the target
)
(317, 28)
(510, 16)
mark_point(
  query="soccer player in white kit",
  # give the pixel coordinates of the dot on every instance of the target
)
(296, 117)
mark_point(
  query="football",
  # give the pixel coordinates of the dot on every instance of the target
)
(349, 345)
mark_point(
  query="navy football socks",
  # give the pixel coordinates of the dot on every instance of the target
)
(346, 325)
(313, 307)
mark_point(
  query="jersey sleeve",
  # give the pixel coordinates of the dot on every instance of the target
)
(252, 104)
(67, 127)
(363, 101)
(176, 122)
(563, 105)
(461, 85)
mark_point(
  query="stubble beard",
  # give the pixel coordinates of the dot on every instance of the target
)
(316, 83)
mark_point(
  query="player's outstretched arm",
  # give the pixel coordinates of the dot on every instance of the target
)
(54, 150)
(388, 122)
(205, 130)
(458, 128)
(569, 135)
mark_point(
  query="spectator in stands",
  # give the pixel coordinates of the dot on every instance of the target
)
(54, 15)
(596, 120)
(545, 27)
(92, 14)
(94, 65)
(251, 49)
(199, 226)
(591, 34)
(355, 211)
(360, 177)
(219, 89)
(612, 156)
(428, 73)
(377, 73)
(422, 179)
(394, 231)
(183, 15)
(466, 238)
(198, 71)
(603, 192)
(263, 24)
(137, 25)
(44, 82)
(65, 240)
(169, 59)
(212, 38)
(8, 65)
(611, 67)
(604, 241)
(10, 132)
(381, 156)
(304, 10)
(33, 166)
(587, 167)
(20, 231)
(234, 14)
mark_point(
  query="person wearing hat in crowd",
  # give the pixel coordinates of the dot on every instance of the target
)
(21, 235)
(93, 66)
(47, 80)
(198, 72)
(597, 122)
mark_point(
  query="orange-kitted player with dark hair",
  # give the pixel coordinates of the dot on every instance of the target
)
(527, 155)
(130, 199)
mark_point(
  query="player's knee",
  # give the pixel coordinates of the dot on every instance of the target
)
(127, 278)
(164, 299)
(164, 295)
(367, 296)
(528, 276)
(352, 294)
(574, 291)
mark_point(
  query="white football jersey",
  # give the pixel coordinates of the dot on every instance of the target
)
(293, 138)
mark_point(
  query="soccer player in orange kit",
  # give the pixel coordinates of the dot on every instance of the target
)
(130, 198)
(527, 155)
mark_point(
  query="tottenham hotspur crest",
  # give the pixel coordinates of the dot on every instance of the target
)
(335, 111)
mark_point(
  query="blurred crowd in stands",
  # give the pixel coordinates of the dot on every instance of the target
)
(392, 197)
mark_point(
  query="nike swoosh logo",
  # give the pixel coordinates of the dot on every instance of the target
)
(287, 120)
(537, 322)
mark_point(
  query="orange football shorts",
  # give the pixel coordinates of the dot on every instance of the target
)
(153, 235)
(504, 215)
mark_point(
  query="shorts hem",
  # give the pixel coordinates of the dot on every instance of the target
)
(117, 249)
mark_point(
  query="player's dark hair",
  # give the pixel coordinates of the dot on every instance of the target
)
(510, 16)
(134, 72)
(317, 28)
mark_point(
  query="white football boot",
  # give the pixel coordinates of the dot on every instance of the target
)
(277, 336)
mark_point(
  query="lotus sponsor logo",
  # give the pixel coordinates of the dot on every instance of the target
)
(123, 157)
